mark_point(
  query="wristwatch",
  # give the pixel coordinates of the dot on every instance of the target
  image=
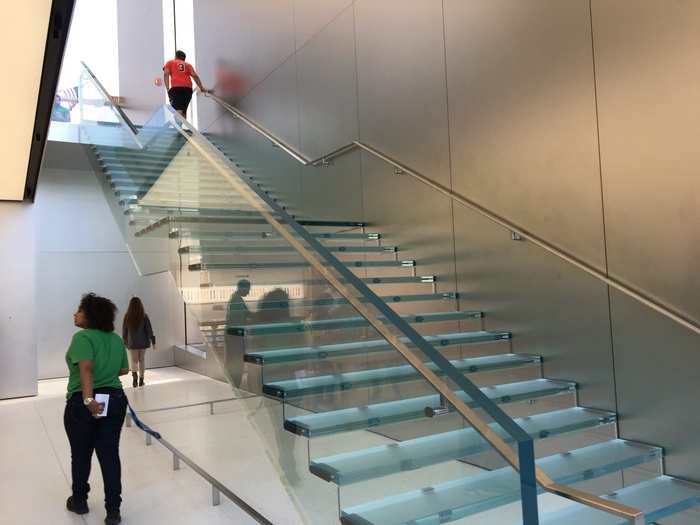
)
(87, 401)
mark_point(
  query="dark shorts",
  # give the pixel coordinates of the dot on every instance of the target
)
(180, 98)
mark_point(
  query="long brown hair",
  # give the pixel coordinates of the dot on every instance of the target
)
(135, 314)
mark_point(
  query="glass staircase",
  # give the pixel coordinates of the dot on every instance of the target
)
(302, 331)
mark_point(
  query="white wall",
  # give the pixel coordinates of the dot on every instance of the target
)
(79, 249)
(17, 270)
(140, 57)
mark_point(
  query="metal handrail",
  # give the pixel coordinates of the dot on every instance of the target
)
(118, 110)
(528, 479)
(217, 487)
(523, 233)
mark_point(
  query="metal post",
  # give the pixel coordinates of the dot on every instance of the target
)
(216, 496)
(149, 439)
(528, 483)
(128, 421)
(176, 462)
(211, 409)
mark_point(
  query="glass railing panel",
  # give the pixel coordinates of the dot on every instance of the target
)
(526, 292)
(96, 118)
(295, 327)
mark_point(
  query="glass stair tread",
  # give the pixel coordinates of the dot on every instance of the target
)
(459, 498)
(153, 147)
(299, 264)
(217, 219)
(242, 236)
(375, 462)
(295, 388)
(154, 224)
(193, 173)
(170, 172)
(442, 296)
(187, 211)
(359, 418)
(163, 189)
(355, 321)
(658, 498)
(234, 202)
(280, 248)
(422, 279)
(287, 355)
(112, 154)
(149, 210)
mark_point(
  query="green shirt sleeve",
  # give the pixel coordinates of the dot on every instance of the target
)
(80, 349)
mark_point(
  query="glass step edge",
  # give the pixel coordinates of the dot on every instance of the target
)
(289, 355)
(196, 211)
(265, 248)
(658, 498)
(197, 267)
(150, 181)
(182, 215)
(295, 388)
(360, 418)
(186, 175)
(412, 454)
(464, 497)
(162, 190)
(441, 296)
(214, 235)
(155, 224)
(355, 321)
(424, 279)
(139, 192)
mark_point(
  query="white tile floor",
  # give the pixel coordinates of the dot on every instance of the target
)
(243, 445)
(35, 462)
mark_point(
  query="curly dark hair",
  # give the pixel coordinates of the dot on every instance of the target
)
(99, 312)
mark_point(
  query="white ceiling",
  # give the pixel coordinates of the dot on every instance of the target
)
(22, 40)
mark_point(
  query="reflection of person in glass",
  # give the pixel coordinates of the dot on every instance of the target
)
(274, 307)
(237, 312)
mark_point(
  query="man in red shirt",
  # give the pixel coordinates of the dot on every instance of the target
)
(177, 76)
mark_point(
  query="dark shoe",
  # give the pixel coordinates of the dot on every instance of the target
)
(135, 378)
(113, 518)
(141, 382)
(79, 507)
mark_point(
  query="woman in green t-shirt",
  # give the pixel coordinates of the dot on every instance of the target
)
(96, 358)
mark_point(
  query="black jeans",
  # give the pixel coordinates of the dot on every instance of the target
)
(87, 434)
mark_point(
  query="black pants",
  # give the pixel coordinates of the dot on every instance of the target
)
(101, 435)
(180, 98)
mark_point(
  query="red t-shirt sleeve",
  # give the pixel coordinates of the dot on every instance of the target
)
(168, 67)
(190, 70)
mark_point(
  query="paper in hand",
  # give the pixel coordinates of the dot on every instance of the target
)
(102, 398)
